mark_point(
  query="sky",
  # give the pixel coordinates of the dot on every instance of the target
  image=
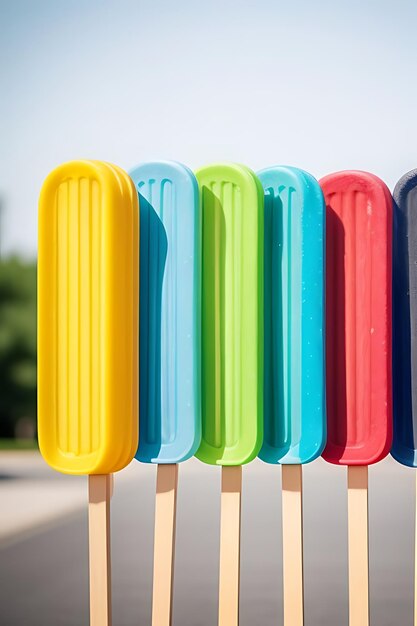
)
(325, 86)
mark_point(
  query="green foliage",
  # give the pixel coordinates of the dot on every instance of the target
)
(17, 343)
(18, 444)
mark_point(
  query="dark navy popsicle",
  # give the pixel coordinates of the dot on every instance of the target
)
(404, 447)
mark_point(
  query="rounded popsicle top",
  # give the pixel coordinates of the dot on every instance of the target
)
(404, 282)
(88, 318)
(145, 176)
(170, 314)
(358, 318)
(294, 365)
(232, 314)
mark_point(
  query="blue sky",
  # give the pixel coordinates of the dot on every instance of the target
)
(319, 85)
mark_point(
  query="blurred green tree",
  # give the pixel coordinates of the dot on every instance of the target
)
(17, 344)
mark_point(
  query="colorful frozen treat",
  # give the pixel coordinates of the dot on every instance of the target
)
(170, 288)
(232, 350)
(88, 291)
(358, 314)
(294, 370)
(404, 447)
(232, 314)
(170, 348)
(88, 318)
(358, 351)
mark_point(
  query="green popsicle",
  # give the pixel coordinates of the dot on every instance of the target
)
(232, 350)
(232, 318)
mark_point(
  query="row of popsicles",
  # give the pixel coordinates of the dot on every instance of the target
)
(260, 295)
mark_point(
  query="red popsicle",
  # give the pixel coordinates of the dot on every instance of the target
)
(358, 318)
(358, 351)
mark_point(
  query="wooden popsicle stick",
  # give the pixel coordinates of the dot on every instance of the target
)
(229, 573)
(292, 550)
(99, 493)
(164, 543)
(358, 545)
(415, 558)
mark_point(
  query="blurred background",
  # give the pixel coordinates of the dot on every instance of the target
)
(320, 85)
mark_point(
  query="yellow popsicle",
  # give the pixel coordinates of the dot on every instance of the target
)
(88, 318)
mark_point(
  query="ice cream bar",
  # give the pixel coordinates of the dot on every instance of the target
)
(170, 337)
(358, 318)
(88, 318)
(294, 366)
(232, 314)
(404, 447)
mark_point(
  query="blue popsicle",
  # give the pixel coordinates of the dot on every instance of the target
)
(170, 295)
(294, 366)
(404, 292)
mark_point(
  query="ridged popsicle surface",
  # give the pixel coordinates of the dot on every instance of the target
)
(170, 317)
(88, 315)
(295, 400)
(232, 318)
(358, 318)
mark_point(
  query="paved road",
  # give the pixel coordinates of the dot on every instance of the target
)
(43, 575)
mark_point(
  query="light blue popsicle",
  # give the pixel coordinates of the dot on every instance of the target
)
(170, 296)
(294, 366)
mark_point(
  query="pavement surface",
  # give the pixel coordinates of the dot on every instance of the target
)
(44, 558)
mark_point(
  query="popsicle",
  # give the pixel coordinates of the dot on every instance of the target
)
(232, 349)
(294, 367)
(88, 340)
(170, 353)
(404, 446)
(358, 346)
